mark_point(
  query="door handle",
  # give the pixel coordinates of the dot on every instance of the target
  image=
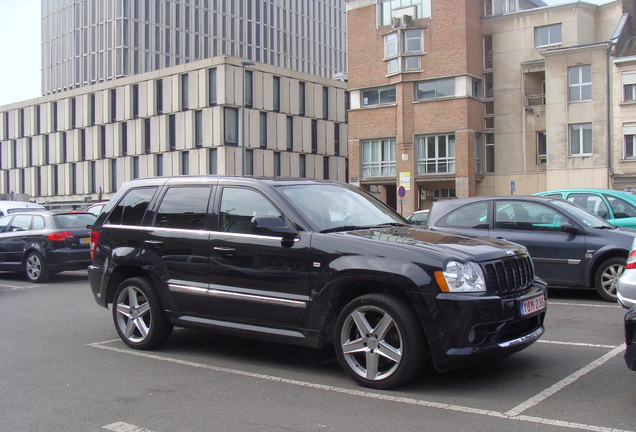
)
(224, 250)
(153, 242)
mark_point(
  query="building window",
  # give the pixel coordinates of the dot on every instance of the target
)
(211, 87)
(159, 165)
(185, 163)
(413, 41)
(325, 167)
(277, 164)
(314, 137)
(435, 89)
(198, 129)
(301, 98)
(113, 105)
(135, 101)
(147, 129)
(249, 162)
(172, 132)
(542, 148)
(629, 86)
(548, 35)
(113, 173)
(436, 154)
(411, 63)
(124, 139)
(336, 139)
(276, 93)
(263, 130)
(629, 138)
(379, 158)
(185, 101)
(393, 66)
(290, 133)
(231, 125)
(488, 52)
(390, 45)
(136, 167)
(302, 166)
(249, 85)
(490, 152)
(415, 9)
(325, 103)
(378, 96)
(580, 83)
(159, 96)
(581, 139)
(212, 161)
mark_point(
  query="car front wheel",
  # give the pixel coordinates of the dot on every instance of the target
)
(139, 318)
(35, 268)
(607, 278)
(379, 341)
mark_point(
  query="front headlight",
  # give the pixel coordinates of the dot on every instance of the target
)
(461, 277)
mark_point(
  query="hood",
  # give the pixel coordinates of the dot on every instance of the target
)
(453, 245)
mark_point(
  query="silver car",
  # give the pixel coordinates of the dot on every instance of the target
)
(626, 285)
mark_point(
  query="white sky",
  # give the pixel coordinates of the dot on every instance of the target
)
(20, 51)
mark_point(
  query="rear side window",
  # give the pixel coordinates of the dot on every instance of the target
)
(469, 216)
(184, 208)
(132, 207)
(21, 223)
(621, 208)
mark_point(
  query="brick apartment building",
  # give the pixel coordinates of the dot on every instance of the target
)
(459, 98)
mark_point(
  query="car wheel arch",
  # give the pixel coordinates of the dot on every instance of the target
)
(600, 259)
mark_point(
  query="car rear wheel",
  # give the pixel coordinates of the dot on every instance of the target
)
(607, 278)
(35, 269)
(379, 341)
(139, 318)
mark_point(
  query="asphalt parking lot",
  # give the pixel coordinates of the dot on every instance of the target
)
(62, 368)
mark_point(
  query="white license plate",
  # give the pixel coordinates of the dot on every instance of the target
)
(84, 240)
(532, 305)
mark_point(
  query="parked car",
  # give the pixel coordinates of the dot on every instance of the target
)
(419, 217)
(626, 285)
(9, 207)
(42, 243)
(96, 208)
(569, 246)
(630, 339)
(310, 263)
(616, 207)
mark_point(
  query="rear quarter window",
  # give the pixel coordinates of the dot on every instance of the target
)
(130, 210)
(469, 216)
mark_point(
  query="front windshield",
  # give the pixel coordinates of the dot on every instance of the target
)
(581, 215)
(332, 206)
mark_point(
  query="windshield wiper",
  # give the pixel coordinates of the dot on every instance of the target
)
(358, 227)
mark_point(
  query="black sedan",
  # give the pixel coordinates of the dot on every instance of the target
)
(41, 244)
(569, 246)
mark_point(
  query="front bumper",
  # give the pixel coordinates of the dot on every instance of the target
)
(465, 330)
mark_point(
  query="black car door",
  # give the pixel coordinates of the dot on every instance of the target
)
(256, 277)
(558, 256)
(15, 237)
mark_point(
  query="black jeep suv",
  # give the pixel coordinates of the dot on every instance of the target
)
(309, 262)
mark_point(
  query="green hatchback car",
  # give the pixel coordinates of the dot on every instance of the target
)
(616, 207)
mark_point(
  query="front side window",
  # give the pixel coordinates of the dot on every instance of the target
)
(436, 154)
(581, 139)
(131, 208)
(379, 158)
(548, 35)
(580, 83)
(435, 89)
(527, 216)
(183, 208)
(378, 96)
(239, 206)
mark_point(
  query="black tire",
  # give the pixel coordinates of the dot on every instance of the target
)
(379, 341)
(35, 269)
(607, 276)
(138, 316)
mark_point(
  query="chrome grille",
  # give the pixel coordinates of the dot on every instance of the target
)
(509, 275)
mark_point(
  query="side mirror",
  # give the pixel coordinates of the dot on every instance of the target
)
(273, 226)
(570, 229)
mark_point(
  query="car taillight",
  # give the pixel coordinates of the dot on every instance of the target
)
(631, 260)
(94, 240)
(60, 236)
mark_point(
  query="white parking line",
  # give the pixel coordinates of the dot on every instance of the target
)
(510, 415)
(609, 305)
(124, 427)
(578, 344)
(564, 382)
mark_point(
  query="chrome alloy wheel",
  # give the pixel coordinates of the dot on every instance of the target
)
(371, 343)
(609, 278)
(134, 315)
